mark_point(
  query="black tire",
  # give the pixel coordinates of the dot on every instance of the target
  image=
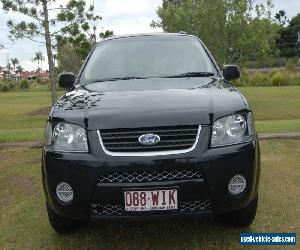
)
(242, 217)
(61, 224)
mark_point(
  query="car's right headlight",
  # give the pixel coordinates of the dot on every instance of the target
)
(66, 137)
(233, 129)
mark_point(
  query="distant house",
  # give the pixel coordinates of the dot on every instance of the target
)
(32, 75)
(44, 75)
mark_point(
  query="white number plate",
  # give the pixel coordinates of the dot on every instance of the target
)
(154, 200)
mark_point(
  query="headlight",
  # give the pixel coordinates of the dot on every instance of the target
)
(233, 129)
(67, 137)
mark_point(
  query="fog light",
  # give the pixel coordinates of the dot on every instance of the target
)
(237, 185)
(64, 192)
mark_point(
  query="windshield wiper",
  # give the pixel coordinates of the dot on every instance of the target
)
(114, 79)
(188, 74)
(193, 74)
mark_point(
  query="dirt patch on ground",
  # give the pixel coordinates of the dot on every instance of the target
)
(40, 111)
(21, 184)
(18, 185)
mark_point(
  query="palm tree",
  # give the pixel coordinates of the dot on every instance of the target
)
(14, 62)
(19, 69)
(18, 72)
(39, 58)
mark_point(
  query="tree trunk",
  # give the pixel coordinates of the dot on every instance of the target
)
(49, 53)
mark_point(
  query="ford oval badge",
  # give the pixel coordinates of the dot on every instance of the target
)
(149, 139)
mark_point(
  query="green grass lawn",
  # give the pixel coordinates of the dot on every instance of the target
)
(15, 122)
(276, 109)
(24, 225)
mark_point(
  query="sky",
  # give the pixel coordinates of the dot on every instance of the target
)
(121, 16)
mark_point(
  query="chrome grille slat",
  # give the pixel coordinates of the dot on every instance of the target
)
(145, 147)
(135, 143)
(172, 138)
(148, 130)
(149, 176)
(106, 138)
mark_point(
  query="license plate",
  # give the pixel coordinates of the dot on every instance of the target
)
(151, 200)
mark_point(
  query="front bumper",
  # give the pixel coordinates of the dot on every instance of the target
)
(208, 193)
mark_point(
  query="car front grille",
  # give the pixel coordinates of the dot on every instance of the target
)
(149, 176)
(189, 207)
(172, 138)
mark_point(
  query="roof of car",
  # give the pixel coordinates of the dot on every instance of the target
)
(165, 34)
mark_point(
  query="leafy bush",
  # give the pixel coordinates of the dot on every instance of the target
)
(287, 79)
(298, 62)
(34, 85)
(260, 79)
(291, 64)
(296, 79)
(11, 85)
(24, 84)
(243, 80)
(273, 72)
(277, 79)
(4, 87)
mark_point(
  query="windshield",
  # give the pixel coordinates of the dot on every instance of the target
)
(146, 57)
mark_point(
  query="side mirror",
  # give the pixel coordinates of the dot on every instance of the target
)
(66, 80)
(231, 72)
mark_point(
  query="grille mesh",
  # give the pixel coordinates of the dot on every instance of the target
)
(147, 176)
(194, 206)
(118, 210)
(171, 138)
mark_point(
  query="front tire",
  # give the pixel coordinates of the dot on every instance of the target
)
(61, 224)
(242, 217)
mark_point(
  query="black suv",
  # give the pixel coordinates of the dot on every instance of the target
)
(150, 127)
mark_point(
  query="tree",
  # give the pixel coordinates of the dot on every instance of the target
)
(66, 25)
(289, 40)
(68, 59)
(106, 34)
(19, 69)
(14, 62)
(38, 27)
(237, 31)
(39, 58)
(81, 36)
(281, 18)
(7, 71)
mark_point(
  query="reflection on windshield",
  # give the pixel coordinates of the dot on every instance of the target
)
(146, 57)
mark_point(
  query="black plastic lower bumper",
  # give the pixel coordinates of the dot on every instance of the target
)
(96, 200)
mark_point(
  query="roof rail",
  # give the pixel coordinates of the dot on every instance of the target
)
(183, 32)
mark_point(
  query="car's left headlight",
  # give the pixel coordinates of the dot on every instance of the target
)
(233, 129)
(66, 137)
